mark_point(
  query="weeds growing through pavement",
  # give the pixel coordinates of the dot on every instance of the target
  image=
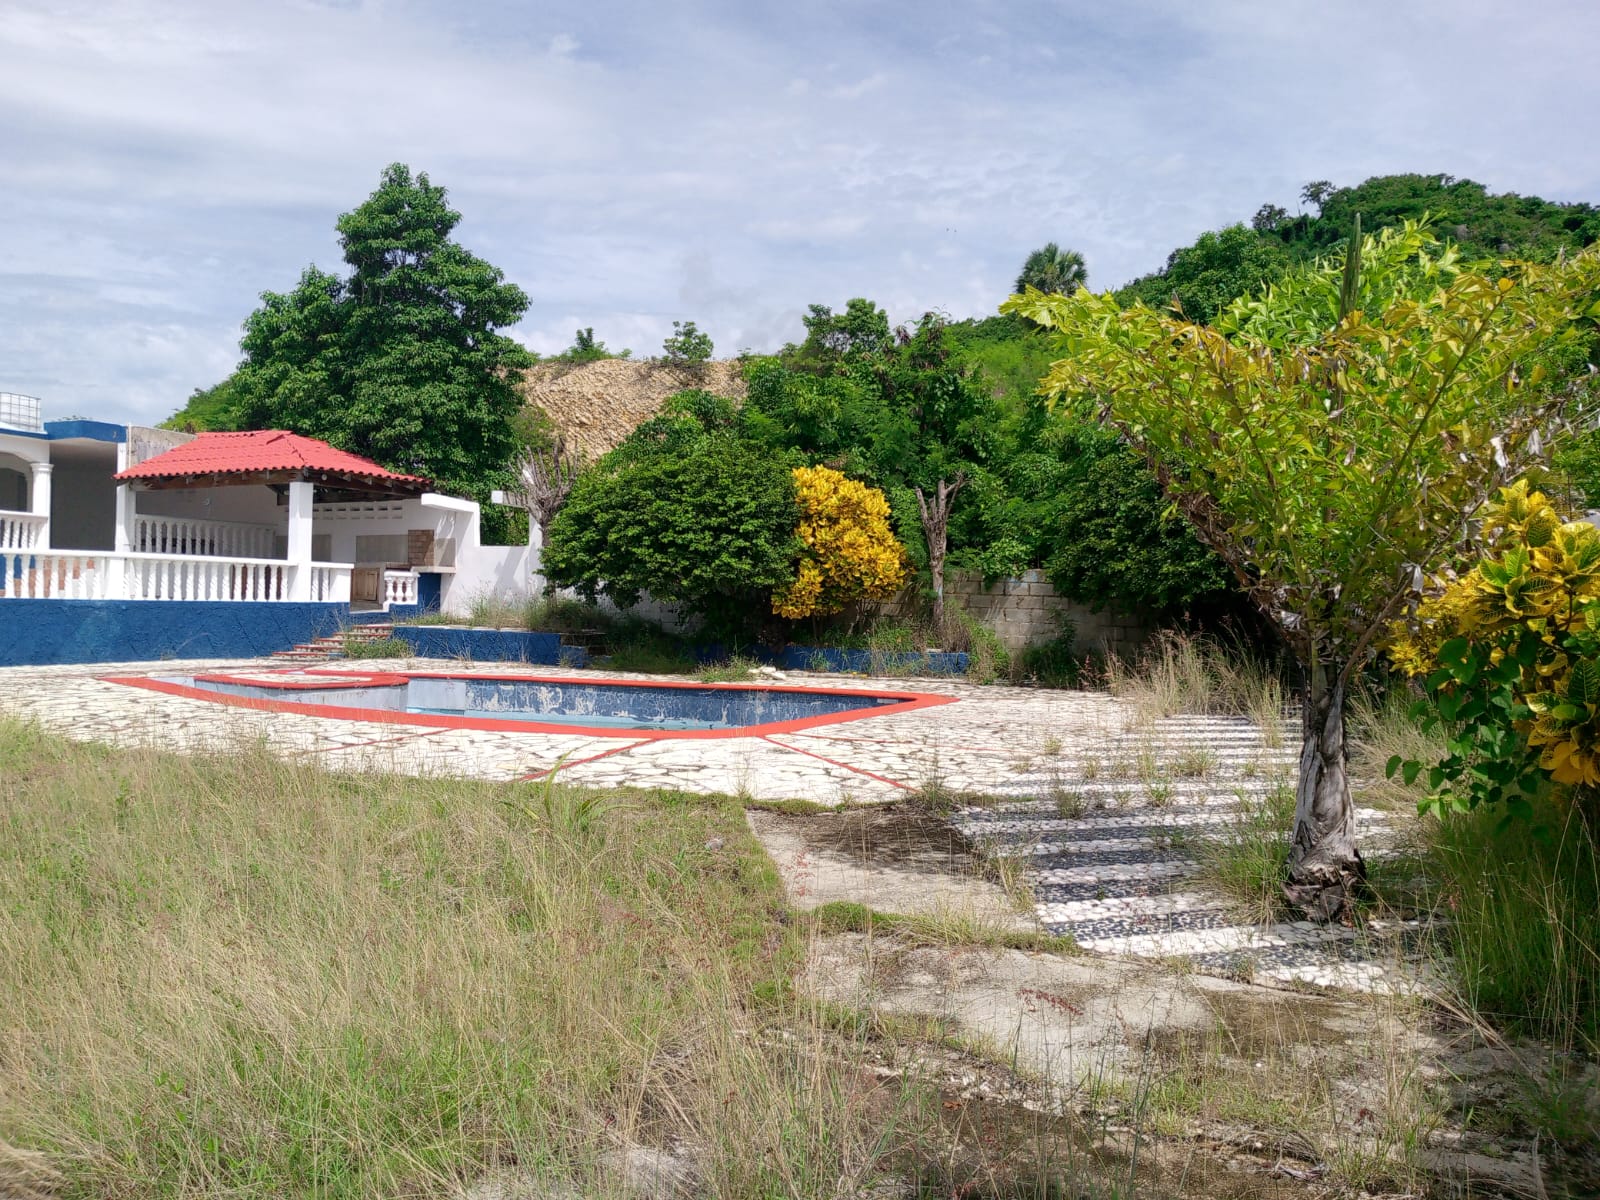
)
(1245, 857)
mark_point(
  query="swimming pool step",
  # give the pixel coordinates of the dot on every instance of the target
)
(331, 645)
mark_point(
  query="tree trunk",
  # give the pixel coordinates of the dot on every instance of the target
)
(935, 512)
(1325, 868)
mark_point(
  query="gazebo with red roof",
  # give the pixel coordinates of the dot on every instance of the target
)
(208, 499)
(274, 457)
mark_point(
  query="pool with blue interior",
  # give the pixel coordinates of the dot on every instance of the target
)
(576, 704)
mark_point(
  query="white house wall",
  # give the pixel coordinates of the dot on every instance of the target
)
(503, 571)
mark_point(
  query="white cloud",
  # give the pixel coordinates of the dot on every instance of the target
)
(162, 162)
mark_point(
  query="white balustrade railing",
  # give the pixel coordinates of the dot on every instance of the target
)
(91, 575)
(330, 582)
(399, 587)
(164, 577)
(20, 531)
(27, 576)
(183, 535)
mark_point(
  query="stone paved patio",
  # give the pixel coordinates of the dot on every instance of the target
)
(1100, 806)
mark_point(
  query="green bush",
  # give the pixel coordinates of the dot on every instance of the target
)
(1053, 663)
(709, 525)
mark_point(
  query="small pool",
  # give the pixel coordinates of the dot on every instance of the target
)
(602, 708)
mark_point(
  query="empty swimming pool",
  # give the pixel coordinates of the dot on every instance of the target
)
(615, 708)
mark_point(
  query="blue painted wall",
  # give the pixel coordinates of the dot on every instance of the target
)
(491, 645)
(40, 632)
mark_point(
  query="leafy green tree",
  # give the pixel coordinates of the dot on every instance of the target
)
(1113, 543)
(861, 330)
(212, 409)
(1269, 218)
(1053, 270)
(1203, 279)
(400, 361)
(687, 346)
(1330, 439)
(588, 348)
(1317, 192)
(685, 511)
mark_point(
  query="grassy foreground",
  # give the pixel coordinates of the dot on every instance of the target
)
(234, 975)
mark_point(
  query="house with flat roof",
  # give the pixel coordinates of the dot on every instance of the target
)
(265, 527)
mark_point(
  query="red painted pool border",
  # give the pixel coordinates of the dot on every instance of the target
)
(908, 702)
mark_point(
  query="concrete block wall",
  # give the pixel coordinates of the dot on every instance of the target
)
(1027, 611)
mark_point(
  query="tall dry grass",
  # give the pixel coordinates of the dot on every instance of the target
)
(1183, 673)
(235, 974)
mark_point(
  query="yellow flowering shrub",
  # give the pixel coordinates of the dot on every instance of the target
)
(850, 553)
(1511, 652)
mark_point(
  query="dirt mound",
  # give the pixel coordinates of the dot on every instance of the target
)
(595, 405)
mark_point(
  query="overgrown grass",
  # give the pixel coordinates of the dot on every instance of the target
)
(1181, 673)
(1523, 907)
(236, 974)
(736, 668)
(1380, 727)
(389, 647)
(1245, 858)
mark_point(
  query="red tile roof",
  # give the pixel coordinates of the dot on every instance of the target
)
(262, 450)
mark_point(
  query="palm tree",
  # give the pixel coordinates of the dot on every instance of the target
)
(1052, 269)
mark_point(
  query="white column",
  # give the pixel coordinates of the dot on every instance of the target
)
(127, 519)
(41, 501)
(124, 540)
(299, 555)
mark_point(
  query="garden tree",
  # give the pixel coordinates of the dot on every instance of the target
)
(1053, 270)
(1329, 439)
(400, 361)
(686, 512)
(934, 509)
(1204, 278)
(545, 475)
(900, 411)
(849, 550)
(951, 426)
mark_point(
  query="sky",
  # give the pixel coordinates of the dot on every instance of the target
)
(164, 162)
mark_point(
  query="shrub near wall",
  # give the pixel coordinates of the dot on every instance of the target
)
(491, 645)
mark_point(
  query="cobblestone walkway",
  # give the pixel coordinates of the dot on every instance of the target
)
(1108, 841)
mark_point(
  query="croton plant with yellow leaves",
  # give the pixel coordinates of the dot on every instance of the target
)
(1510, 655)
(850, 550)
